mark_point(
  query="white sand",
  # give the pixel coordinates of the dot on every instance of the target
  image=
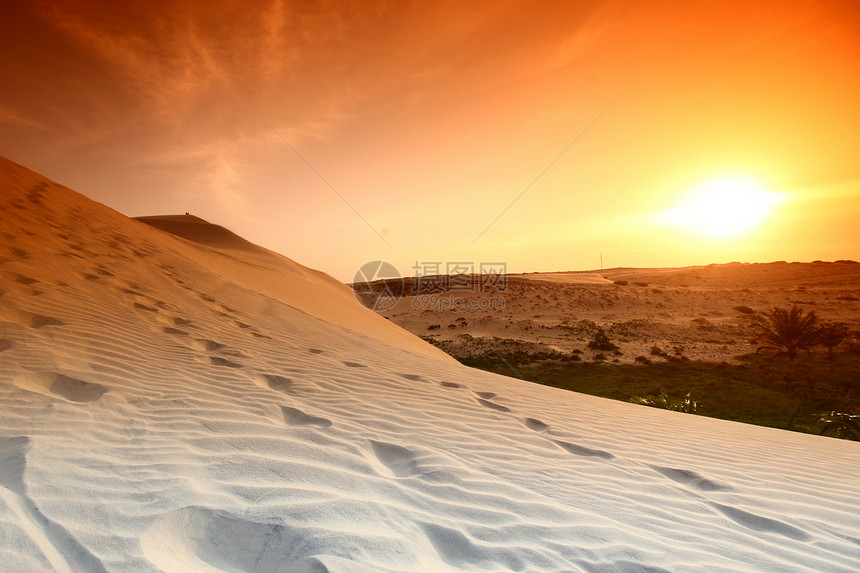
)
(170, 406)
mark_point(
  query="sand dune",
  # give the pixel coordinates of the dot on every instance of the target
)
(169, 405)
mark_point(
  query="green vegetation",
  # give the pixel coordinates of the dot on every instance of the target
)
(831, 335)
(755, 389)
(787, 332)
(752, 391)
(664, 401)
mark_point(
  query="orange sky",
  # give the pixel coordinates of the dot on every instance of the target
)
(430, 119)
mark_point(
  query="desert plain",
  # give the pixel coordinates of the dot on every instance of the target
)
(701, 313)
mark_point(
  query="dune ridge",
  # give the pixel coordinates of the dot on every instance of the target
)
(165, 413)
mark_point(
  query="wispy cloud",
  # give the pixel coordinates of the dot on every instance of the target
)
(16, 118)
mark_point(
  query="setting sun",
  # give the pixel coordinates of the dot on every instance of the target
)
(724, 207)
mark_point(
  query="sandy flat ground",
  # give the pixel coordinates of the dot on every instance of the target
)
(169, 404)
(691, 311)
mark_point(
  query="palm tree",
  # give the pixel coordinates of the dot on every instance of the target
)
(832, 334)
(786, 331)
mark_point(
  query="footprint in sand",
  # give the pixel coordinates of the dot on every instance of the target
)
(536, 425)
(214, 540)
(172, 320)
(30, 319)
(25, 280)
(487, 395)
(235, 353)
(174, 331)
(258, 335)
(240, 324)
(399, 460)
(449, 385)
(295, 417)
(133, 285)
(583, 451)
(217, 361)
(5, 345)
(206, 345)
(354, 365)
(275, 382)
(140, 306)
(759, 523)
(456, 549)
(414, 377)
(691, 479)
(493, 406)
(60, 385)
(315, 351)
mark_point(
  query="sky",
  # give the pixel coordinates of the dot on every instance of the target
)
(544, 135)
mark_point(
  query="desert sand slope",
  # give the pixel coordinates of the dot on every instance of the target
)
(157, 416)
(247, 265)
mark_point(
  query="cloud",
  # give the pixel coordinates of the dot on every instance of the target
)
(14, 118)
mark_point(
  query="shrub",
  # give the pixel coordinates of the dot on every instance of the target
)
(644, 360)
(666, 402)
(831, 335)
(601, 342)
(657, 351)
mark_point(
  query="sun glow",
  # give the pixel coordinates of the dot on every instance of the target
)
(723, 208)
